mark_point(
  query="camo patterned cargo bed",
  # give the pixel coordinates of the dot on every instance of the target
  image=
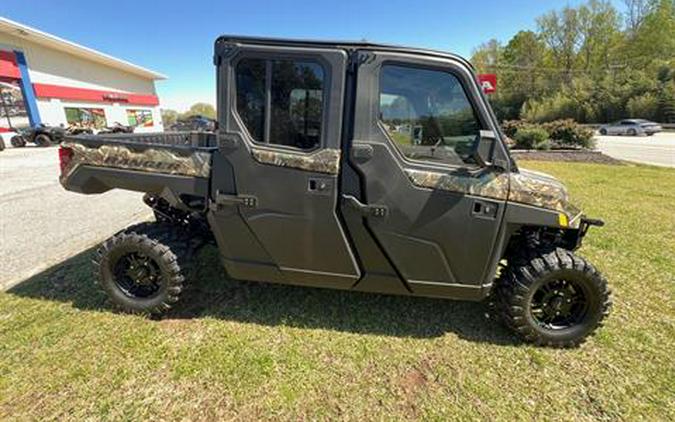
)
(173, 139)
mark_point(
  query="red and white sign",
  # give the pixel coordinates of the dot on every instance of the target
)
(488, 82)
(93, 95)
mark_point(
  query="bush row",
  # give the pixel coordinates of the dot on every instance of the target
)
(564, 133)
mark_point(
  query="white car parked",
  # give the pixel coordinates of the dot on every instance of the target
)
(632, 127)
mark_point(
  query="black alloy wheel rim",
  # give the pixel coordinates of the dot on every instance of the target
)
(137, 275)
(559, 304)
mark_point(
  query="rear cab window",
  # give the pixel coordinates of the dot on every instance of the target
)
(281, 102)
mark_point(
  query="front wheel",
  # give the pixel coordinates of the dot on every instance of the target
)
(43, 140)
(18, 141)
(553, 299)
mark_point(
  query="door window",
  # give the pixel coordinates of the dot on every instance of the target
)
(285, 110)
(427, 115)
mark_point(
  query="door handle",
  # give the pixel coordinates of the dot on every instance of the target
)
(484, 209)
(364, 209)
(319, 185)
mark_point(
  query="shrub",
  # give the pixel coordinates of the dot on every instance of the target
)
(532, 138)
(510, 127)
(569, 134)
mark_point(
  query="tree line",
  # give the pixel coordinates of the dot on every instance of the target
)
(590, 63)
(169, 117)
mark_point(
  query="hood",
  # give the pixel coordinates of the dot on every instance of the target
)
(544, 191)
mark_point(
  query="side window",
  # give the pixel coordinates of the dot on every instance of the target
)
(287, 109)
(427, 114)
(251, 96)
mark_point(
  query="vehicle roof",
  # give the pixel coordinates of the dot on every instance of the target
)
(345, 45)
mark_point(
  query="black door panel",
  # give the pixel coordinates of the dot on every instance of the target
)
(432, 233)
(284, 152)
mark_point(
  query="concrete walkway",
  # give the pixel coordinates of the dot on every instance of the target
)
(658, 150)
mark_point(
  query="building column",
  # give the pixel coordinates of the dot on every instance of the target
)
(27, 90)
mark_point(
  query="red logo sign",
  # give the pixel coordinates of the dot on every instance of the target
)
(488, 82)
(113, 96)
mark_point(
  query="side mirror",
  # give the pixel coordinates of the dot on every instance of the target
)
(484, 148)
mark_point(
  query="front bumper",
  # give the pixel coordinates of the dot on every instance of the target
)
(585, 224)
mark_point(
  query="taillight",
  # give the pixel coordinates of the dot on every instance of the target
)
(65, 155)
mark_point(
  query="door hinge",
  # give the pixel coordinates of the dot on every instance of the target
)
(357, 58)
(364, 209)
(229, 200)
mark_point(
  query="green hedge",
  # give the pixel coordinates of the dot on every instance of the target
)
(564, 133)
(532, 138)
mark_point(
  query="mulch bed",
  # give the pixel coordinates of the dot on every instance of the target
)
(574, 155)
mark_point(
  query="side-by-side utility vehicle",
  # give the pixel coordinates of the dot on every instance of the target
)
(352, 166)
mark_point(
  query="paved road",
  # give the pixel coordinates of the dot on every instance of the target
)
(658, 150)
(41, 224)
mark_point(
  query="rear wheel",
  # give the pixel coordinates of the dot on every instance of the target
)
(554, 299)
(143, 268)
(603, 131)
(43, 140)
(18, 141)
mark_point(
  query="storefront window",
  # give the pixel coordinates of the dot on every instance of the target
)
(86, 117)
(141, 118)
(12, 107)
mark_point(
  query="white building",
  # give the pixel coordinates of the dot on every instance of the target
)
(46, 79)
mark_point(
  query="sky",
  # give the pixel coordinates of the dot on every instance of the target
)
(176, 38)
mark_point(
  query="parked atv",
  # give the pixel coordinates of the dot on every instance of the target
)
(78, 129)
(195, 123)
(116, 128)
(41, 135)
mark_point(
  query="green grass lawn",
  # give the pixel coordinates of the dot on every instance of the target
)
(257, 351)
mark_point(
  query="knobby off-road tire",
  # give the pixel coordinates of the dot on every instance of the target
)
(18, 141)
(554, 299)
(143, 268)
(43, 140)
